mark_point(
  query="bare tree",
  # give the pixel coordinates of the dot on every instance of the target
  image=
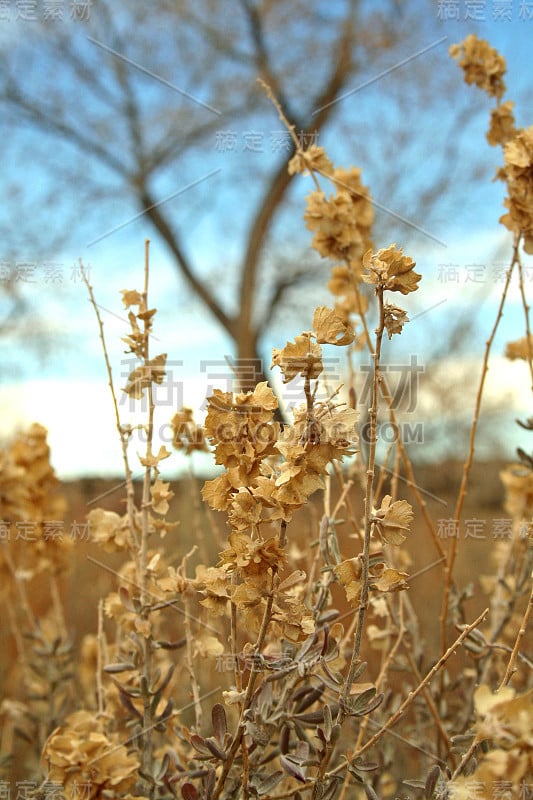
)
(127, 105)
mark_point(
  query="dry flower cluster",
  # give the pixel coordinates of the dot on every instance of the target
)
(305, 706)
(485, 67)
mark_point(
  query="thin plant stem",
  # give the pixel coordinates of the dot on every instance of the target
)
(365, 558)
(291, 128)
(100, 659)
(17, 636)
(254, 673)
(410, 478)
(195, 688)
(448, 567)
(123, 434)
(393, 719)
(516, 647)
(146, 666)
(369, 499)
(525, 306)
(21, 589)
(58, 607)
(431, 705)
(384, 669)
(465, 759)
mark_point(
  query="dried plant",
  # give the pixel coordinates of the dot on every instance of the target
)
(323, 685)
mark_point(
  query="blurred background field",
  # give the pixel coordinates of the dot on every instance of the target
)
(88, 581)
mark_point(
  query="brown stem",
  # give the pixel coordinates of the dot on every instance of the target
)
(383, 671)
(414, 694)
(130, 491)
(465, 759)
(146, 667)
(189, 658)
(448, 569)
(365, 558)
(236, 742)
(100, 661)
(369, 500)
(519, 636)
(526, 315)
(434, 711)
(392, 415)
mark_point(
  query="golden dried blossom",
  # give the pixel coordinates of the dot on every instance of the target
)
(504, 718)
(136, 339)
(161, 494)
(394, 318)
(131, 297)
(252, 558)
(341, 281)
(349, 574)
(519, 349)
(212, 584)
(109, 530)
(187, 434)
(482, 65)
(294, 492)
(152, 371)
(506, 721)
(301, 357)
(502, 124)
(28, 483)
(291, 619)
(270, 473)
(116, 610)
(243, 432)
(392, 270)
(381, 578)
(313, 159)
(392, 519)
(218, 492)
(344, 283)
(518, 173)
(518, 482)
(153, 460)
(249, 598)
(340, 432)
(244, 511)
(329, 328)
(80, 754)
(342, 223)
(509, 768)
(30, 498)
(206, 645)
(388, 579)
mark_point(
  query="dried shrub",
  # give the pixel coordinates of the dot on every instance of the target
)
(323, 678)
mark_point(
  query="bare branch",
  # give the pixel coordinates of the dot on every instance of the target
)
(155, 215)
(281, 180)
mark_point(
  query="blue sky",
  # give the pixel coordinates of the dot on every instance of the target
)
(461, 259)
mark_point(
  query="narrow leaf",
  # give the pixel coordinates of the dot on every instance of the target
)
(269, 783)
(188, 791)
(292, 768)
(218, 718)
(122, 666)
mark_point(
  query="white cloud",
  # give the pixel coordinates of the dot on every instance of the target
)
(79, 417)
